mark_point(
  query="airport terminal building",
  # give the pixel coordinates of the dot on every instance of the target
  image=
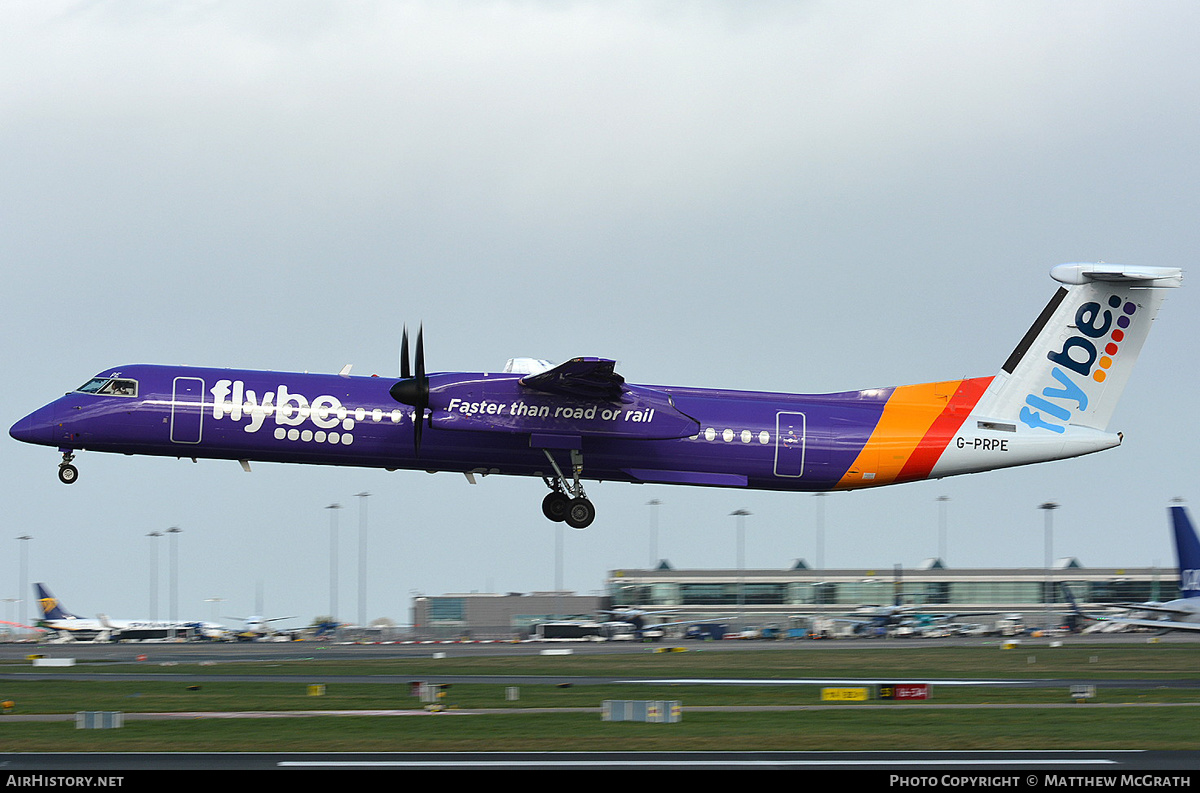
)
(794, 597)
(803, 590)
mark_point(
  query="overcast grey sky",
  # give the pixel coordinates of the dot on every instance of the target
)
(788, 196)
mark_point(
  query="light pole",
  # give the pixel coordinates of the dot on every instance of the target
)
(362, 558)
(653, 504)
(1048, 508)
(333, 559)
(174, 551)
(24, 540)
(741, 514)
(558, 558)
(820, 497)
(942, 501)
(154, 575)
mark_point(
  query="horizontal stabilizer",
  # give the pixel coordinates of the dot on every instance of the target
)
(1150, 276)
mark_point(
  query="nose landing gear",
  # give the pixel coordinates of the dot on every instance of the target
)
(67, 473)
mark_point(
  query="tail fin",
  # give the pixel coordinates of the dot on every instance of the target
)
(1187, 551)
(1073, 363)
(51, 608)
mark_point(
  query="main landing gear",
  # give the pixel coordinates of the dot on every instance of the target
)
(566, 501)
(67, 473)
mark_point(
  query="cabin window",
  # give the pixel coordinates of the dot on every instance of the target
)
(110, 386)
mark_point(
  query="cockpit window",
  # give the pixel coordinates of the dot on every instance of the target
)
(111, 386)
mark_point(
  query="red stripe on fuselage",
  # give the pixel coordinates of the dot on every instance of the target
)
(943, 429)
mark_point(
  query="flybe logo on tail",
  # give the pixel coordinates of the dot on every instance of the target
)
(1084, 357)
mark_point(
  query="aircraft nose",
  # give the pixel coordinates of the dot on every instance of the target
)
(37, 427)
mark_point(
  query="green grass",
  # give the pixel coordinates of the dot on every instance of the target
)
(840, 729)
(68, 696)
(848, 726)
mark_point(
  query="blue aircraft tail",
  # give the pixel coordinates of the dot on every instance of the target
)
(51, 608)
(1187, 549)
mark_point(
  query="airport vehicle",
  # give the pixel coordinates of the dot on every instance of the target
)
(706, 631)
(569, 631)
(1181, 614)
(70, 627)
(1052, 399)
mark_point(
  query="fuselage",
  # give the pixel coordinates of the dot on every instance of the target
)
(489, 423)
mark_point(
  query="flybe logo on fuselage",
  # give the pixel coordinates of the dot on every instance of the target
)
(1081, 362)
(293, 413)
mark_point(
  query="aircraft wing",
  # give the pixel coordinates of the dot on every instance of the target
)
(1166, 625)
(584, 378)
(1158, 608)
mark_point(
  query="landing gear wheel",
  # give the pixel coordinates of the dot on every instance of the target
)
(67, 474)
(580, 514)
(555, 506)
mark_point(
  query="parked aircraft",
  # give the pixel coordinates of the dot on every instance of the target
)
(1052, 399)
(1182, 614)
(635, 620)
(257, 628)
(883, 620)
(102, 629)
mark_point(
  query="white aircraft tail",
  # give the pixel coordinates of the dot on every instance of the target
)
(1074, 362)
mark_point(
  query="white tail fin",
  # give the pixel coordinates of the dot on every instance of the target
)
(1072, 365)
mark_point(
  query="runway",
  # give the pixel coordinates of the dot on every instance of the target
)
(198, 652)
(1028, 768)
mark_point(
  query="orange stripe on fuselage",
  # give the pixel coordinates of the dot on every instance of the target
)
(912, 433)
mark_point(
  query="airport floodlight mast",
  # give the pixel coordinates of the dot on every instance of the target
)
(741, 514)
(362, 558)
(942, 500)
(24, 546)
(820, 530)
(1048, 508)
(654, 504)
(174, 531)
(154, 535)
(333, 560)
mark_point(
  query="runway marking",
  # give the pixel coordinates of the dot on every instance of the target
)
(544, 762)
(841, 681)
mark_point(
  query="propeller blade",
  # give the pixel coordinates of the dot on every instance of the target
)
(420, 351)
(405, 371)
(413, 387)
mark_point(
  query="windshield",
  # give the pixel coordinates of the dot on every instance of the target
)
(114, 386)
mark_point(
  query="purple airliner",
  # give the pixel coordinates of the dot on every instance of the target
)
(1052, 399)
